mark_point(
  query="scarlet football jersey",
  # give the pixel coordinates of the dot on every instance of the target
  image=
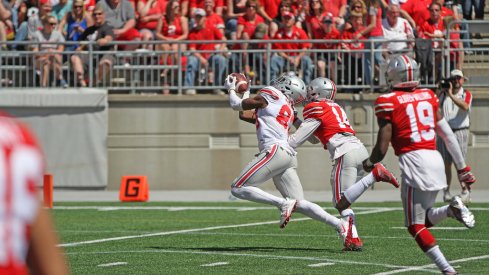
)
(21, 168)
(333, 119)
(413, 118)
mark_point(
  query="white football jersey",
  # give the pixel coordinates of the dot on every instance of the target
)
(274, 121)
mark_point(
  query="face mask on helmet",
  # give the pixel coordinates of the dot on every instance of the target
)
(403, 73)
(291, 86)
(321, 88)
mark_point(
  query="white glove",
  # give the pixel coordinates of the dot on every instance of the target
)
(230, 83)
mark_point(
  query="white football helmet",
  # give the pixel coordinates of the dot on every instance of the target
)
(291, 86)
(403, 72)
(321, 88)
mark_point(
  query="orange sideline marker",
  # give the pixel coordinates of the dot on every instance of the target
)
(48, 190)
(134, 188)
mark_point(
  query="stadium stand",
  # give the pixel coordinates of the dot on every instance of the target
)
(155, 68)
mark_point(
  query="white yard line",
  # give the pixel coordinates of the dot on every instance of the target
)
(423, 267)
(198, 230)
(112, 264)
(215, 264)
(320, 264)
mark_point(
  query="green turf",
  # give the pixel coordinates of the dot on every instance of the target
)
(186, 240)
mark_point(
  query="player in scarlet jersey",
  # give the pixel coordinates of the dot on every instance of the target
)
(28, 238)
(326, 120)
(410, 119)
(277, 160)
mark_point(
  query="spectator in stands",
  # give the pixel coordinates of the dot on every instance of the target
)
(49, 57)
(373, 32)
(102, 34)
(433, 29)
(396, 28)
(456, 46)
(200, 4)
(328, 31)
(357, 6)
(213, 19)
(33, 22)
(6, 25)
(270, 9)
(418, 10)
(150, 12)
(277, 21)
(184, 7)
(172, 28)
(29, 238)
(61, 9)
(75, 23)
(292, 60)
(455, 104)
(315, 18)
(247, 25)
(353, 61)
(204, 60)
(338, 8)
(121, 16)
(234, 10)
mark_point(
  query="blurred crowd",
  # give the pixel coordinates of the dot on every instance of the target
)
(361, 23)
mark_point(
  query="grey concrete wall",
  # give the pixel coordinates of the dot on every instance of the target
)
(198, 142)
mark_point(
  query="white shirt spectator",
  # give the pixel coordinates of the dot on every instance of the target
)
(400, 31)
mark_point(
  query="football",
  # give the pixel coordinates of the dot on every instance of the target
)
(241, 83)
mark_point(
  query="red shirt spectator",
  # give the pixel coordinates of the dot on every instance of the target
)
(207, 33)
(433, 28)
(418, 10)
(315, 17)
(295, 34)
(218, 5)
(150, 12)
(213, 19)
(328, 32)
(269, 9)
(335, 7)
(376, 12)
(352, 33)
(248, 23)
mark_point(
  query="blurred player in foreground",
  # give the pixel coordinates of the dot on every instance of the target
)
(277, 160)
(410, 119)
(327, 121)
(28, 236)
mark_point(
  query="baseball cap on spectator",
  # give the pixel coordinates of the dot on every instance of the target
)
(456, 72)
(288, 14)
(260, 31)
(199, 12)
(328, 18)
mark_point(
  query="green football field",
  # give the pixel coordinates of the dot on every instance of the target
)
(244, 238)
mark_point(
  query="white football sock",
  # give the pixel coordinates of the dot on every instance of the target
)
(357, 189)
(349, 212)
(255, 194)
(439, 259)
(436, 215)
(315, 212)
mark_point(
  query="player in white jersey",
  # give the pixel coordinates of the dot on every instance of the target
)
(273, 116)
(327, 121)
(28, 238)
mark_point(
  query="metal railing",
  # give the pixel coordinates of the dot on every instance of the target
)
(161, 71)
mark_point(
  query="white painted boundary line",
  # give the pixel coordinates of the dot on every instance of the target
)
(417, 268)
(112, 264)
(198, 230)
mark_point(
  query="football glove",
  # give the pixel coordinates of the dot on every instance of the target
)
(230, 83)
(466, 176)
